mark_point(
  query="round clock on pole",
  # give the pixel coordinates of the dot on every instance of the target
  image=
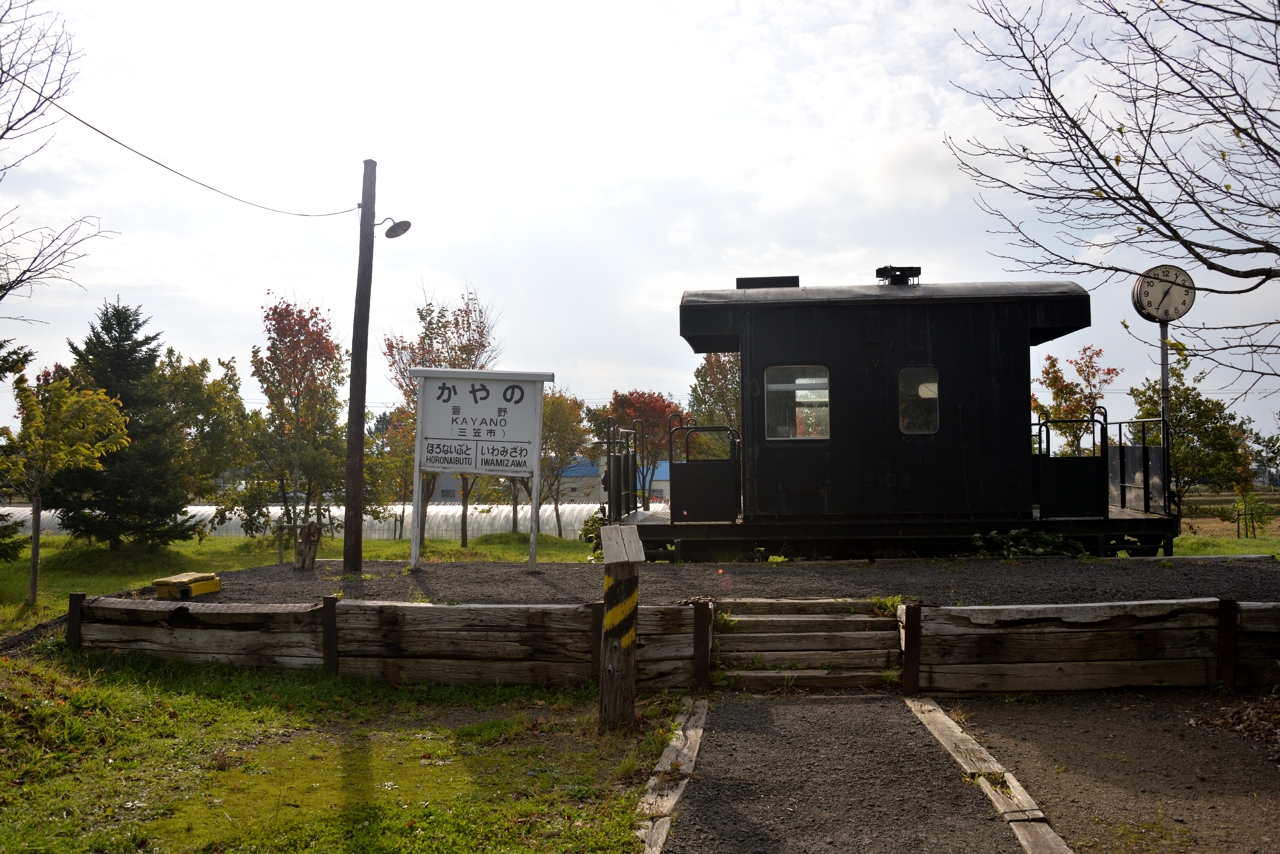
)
(1160, 295)
(1164, 293)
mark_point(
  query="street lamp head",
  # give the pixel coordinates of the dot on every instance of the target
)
(397, 228)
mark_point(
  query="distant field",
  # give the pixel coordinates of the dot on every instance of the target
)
(1208, 504)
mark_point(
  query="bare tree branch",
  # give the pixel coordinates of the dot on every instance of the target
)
(36, 58)
(1168, 149)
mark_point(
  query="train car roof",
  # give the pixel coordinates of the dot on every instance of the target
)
(851, 294)
(709, 319)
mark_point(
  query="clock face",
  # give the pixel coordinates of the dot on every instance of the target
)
(1164, 293)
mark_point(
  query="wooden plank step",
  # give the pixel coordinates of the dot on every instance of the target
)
(808, 623)
(858, 659)
(781, 642)
(794, 606)
(769, 680)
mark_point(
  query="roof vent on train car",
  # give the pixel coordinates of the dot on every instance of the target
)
(898, 275)
(746, 284)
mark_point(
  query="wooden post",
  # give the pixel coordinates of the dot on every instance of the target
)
(306, 546)
(1228, 615)
(329, 623)
(623, 555)
(911, 651)
(353, 513)
(597, 631)
(702, 610)
(73, 620)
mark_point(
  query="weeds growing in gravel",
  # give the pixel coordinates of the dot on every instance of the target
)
(885, 606)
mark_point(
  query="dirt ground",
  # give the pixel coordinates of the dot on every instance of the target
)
(942, 582)
(1126, 771)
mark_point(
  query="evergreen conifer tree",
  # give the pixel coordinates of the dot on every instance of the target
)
(139, 495)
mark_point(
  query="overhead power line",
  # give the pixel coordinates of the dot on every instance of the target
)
(103, 133)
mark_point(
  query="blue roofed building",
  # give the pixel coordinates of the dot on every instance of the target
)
(581, 482)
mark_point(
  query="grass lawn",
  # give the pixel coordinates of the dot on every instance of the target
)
(1189, 544)
(121, 753)
(67, 567)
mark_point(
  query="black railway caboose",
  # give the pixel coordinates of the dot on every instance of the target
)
(895, 419)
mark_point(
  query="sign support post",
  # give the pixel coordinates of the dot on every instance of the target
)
(479, 422)
(416, 541)
(535, 488)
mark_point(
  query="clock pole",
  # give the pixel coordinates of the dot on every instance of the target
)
(1164, 378)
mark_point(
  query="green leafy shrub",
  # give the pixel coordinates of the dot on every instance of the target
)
(1249, 505)
(590, 532)
(1022, 542)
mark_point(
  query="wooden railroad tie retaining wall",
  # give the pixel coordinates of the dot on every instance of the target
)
(763, 643)
(391, 641)
(1193, 643)
(1257, 644)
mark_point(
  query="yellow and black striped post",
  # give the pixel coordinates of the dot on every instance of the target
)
(623, 554)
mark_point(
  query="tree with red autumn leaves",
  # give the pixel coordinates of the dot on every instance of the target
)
(652, 409)
(1073, 400)
(300, 444)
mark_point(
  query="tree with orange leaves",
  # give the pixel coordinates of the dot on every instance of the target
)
(1073, 400)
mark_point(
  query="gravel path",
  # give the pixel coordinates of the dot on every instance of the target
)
(843, 773)
(939, 582)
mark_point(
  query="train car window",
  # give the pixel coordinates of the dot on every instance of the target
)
(796, 402)
(918, 400)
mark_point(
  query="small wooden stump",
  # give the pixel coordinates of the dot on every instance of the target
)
(304, 552)
(623, 554)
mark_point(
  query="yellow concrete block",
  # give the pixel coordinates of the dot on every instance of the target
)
(187, 585)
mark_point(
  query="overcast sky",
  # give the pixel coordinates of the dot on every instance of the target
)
(580, 165)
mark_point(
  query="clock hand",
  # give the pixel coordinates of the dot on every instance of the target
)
(1164, 296)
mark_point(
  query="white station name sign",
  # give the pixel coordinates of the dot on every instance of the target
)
(475, 424)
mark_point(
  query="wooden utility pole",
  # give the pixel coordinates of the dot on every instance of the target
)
(623, 554)
(353, 518)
